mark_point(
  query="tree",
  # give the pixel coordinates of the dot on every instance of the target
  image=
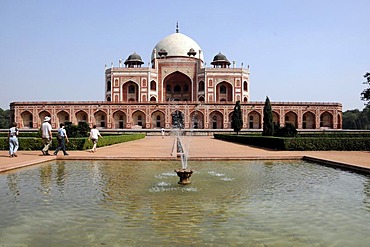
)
(356, 119)
(365, 95)
(237, 118)
(268, 124)
(4, 119)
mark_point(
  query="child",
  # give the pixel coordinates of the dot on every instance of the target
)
(94, 136)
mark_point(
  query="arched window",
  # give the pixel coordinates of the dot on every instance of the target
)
(245, 86)
(201, 86)
(168, 88)
(109, 85)
(186, 88)
(153, 86)
(222, 89)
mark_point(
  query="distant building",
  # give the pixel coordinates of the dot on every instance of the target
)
(176, 89)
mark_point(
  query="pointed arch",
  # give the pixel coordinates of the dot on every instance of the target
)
(291, 118)
(326, 120)
(100, 119)
(138, 118)
(130, 91)
(177, 87)
(119, 120)
(81, 116)
(245, 86)
(42, 115)
(62, 117)
(158, 119)
(224, 92)
(201, 86)
(254, 120)
(276, 118)
(216, 120)
(27, 119)
(197, 120)
(309, 120)
(153, 86)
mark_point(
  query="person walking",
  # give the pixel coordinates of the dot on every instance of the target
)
(94, 136)
(46, 135)
(62, 139)
(13, 140)
(162, 133)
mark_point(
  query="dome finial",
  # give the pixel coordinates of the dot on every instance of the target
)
(177, 27)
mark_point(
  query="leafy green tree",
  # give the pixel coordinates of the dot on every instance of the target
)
(237, 118)
(287, 131)
(365, 95)
(356, 119)
(4, 119)
(80, 130)
(268, 124)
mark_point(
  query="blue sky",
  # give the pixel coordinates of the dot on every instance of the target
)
(315, 50)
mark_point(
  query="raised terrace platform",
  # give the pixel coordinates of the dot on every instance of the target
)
(200, 148)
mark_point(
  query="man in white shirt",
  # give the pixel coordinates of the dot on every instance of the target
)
(46, 135)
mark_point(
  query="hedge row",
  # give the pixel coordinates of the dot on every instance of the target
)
(335, 134)
(301, 143)
(31, 143)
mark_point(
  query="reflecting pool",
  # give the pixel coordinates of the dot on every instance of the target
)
(140, 203)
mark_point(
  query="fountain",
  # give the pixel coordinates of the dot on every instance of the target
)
(184, 173)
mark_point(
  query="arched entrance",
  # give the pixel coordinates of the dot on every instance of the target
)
(100, 119)
(254, 120)
(326, 120)
(138, 119)
(62, 117)
(81, 117)
(291, 118)
(43, 114)
(130, 92)
(276, 118)
(158, 119)
(27, 119)
(177, 87)
(224, 92)
(119, 118)
(197, 120)
(216, 120)
(308, 121)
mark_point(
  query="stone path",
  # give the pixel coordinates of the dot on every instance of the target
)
(200, 148)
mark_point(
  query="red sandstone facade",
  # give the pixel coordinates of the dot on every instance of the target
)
(177, 80)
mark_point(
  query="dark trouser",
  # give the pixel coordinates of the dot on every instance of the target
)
(61, 146)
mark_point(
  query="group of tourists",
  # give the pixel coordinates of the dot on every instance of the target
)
(47, 136)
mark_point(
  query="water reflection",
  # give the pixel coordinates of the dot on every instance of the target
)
(228, 203)
(12, 182)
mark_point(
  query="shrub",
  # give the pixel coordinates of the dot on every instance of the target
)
(81, 143)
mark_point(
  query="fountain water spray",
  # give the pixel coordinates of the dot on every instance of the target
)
(179, 148)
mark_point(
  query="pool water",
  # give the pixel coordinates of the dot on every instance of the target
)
(140, 203)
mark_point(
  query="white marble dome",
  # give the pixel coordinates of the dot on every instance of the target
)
(177, 44)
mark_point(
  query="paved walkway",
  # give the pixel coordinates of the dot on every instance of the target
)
(200, 148)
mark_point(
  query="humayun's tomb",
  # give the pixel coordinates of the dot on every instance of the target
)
(176, 82)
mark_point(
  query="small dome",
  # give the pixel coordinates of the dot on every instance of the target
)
(192, 52)
(220, 59)
(134, 58)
